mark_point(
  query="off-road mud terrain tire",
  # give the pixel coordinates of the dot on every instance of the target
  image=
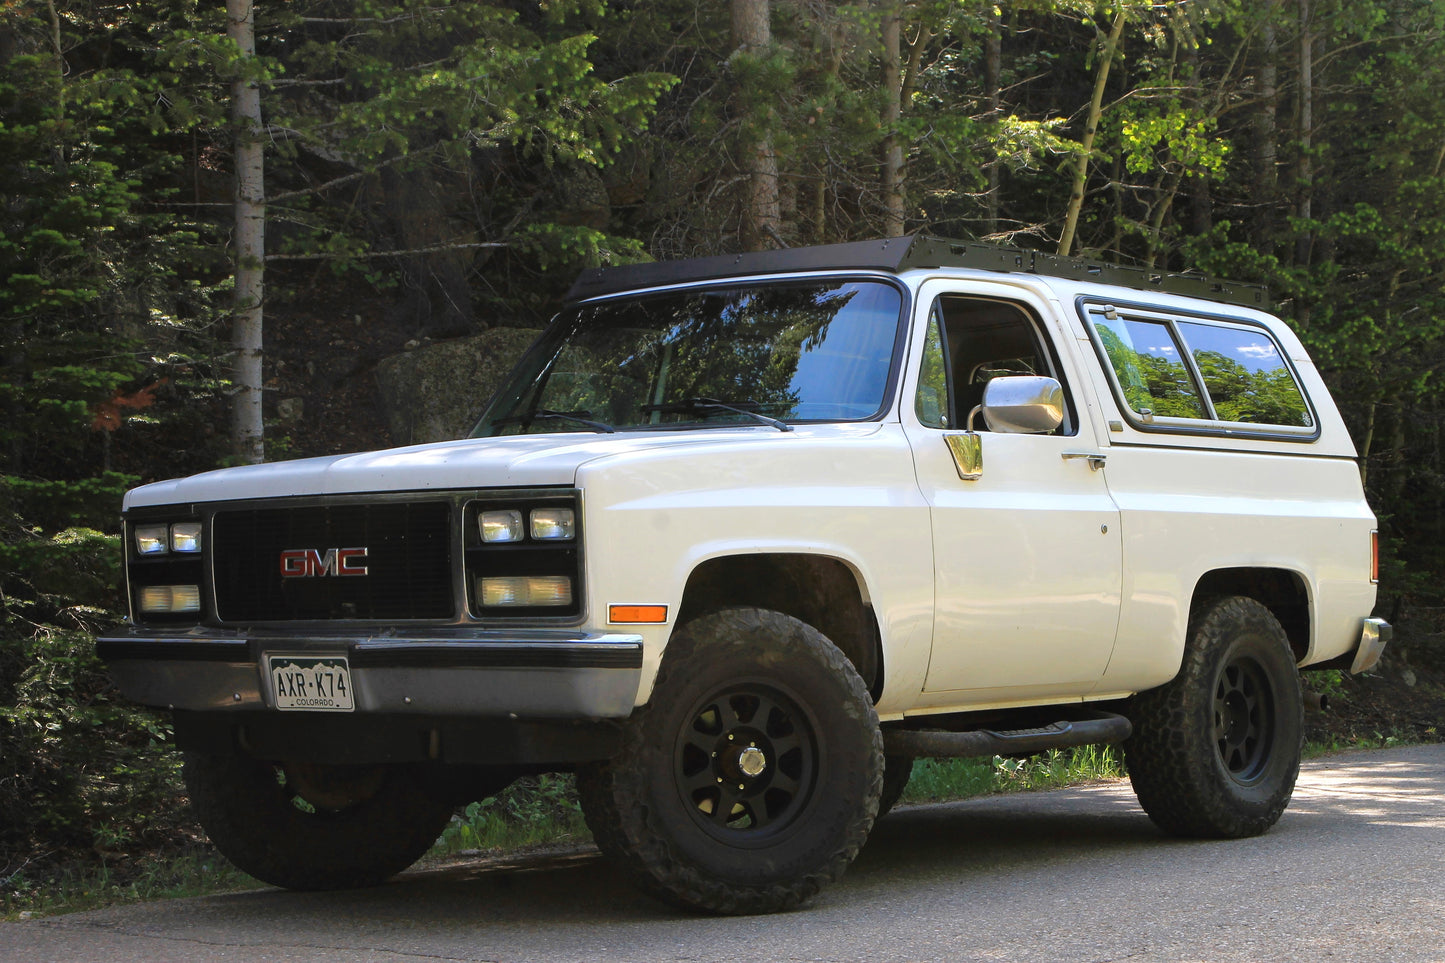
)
(1215, 753)
(668, 807)
(384, 826)
(896, 772)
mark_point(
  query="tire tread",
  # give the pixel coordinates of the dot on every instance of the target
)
(1172, 763)
(634, 834)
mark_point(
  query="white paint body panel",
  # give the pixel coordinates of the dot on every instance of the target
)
(1043, 582)
(1011, 620)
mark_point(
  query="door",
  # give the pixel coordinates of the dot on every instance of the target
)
(1027, 557)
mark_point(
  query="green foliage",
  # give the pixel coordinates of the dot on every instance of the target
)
(937, 780)
(1185, 135)
(449, 96)
(99, 287)
(84, 770)
(533, 810)
(28, 893)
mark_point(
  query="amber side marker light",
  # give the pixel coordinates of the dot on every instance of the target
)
(637, 614)
(1375, 557)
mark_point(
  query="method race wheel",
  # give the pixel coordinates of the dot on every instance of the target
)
(1215, 752)
(752, 777)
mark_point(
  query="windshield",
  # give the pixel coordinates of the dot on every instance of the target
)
(761, 354)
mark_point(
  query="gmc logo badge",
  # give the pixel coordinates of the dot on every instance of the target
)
(313, 563)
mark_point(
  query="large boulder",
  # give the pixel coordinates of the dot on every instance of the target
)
(436, 392)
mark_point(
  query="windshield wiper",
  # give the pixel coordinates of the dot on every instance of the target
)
(697, 405)
(547, 414)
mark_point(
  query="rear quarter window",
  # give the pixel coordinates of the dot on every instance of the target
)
(1177, 373)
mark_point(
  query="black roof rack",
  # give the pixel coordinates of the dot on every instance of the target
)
(897, 254)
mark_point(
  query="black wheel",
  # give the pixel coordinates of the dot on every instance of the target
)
(751, 779)
(1215, 752)
(896, 772)
(306, 826)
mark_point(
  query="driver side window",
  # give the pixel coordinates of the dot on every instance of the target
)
(969, 342)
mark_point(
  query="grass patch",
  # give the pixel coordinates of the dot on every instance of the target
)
(941, 780)
(160, 876)
(1376, 740)
(533, 811)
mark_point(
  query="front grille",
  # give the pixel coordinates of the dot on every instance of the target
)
(278, 564)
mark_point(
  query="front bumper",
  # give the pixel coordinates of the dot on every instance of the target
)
(445, 672)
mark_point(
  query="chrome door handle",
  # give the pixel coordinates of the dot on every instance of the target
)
(1096, 458)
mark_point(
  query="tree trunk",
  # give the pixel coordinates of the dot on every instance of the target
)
(1201, 201)
(1366, 444)
(1266, 134)
(1107, 48)
(992, 71)
(248, 426)
(761, 215)
(435, 298)
(892, 113)
(1304, 198)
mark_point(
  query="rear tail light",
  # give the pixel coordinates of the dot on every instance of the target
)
(1374, 556)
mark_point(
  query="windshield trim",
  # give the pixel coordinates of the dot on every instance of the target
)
(508, 388)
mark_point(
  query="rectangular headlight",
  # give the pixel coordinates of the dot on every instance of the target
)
(170, 598)
(554, 523)
(152, 539)
(186, 537)
(503, 525)
(525, 591)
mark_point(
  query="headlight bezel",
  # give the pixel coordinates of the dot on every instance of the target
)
(166, 579)
(538, 576)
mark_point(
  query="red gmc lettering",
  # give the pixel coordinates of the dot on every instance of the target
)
(312, 563)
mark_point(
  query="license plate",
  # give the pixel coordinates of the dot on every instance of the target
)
(311, 683)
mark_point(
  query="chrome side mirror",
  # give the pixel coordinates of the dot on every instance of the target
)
(1022, 404)
(1017, 404)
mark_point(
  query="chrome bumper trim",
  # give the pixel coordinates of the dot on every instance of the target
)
(1374, 634)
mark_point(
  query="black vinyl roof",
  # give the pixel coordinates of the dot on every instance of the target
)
(897, 254)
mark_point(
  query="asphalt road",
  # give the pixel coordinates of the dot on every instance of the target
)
(1354, 871)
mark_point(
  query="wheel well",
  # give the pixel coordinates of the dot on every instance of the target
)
(1281, 591)
(820, 591)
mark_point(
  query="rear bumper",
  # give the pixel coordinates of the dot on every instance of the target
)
(456, 673)
(1374, 635)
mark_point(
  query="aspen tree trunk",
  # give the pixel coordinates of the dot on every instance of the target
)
(247, 426)
(1266, 133)
(892, 112)
(1366, 444)
(836, 45)
(1201, 199)
(1107, 49)
(1304, 203)
(752, 34)
(1168, 192)
(992, 71)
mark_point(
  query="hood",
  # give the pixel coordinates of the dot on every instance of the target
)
(518, 461)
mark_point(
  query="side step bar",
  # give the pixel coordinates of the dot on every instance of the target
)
(938, 743)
